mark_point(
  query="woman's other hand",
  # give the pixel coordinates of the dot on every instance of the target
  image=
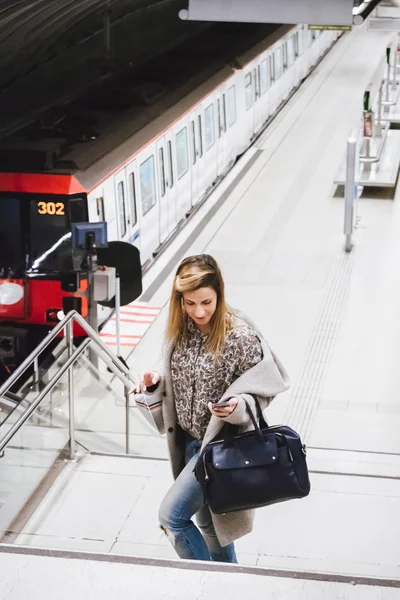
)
(223, 411)
(146, 380)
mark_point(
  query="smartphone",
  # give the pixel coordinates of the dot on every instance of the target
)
(221, 403)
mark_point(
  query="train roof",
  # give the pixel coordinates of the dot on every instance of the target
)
(106, 139)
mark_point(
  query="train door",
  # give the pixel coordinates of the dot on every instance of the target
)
(298, 71)
(210, 145)
(312, 48)
(248, 119)
(222, 138)
(121, 208)
(166, 188)
(302, 52)
(287, 56)
(264, 89)
(133, 212)
(148, 203)
(259, 109)
(183, 184)
(273, 95)
(234, 140)
(280, 81)
(276, 69)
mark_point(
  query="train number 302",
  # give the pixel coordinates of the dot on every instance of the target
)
(51, 208)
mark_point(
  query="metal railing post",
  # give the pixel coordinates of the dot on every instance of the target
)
(387, 74)
(69, 336)
(379, 119)
(127, 421)
(118, 314)
(36, 373)
(349, 191)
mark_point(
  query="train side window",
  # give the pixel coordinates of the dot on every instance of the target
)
(200, 135)
(100, 208)
(258, 86)
(132, 197)
(224, 111)
(278, 63)
(161, 167)
(256, 90)
(272, 68)
(248, 90)
(148, 185)
(303, 38)
(209, 126)
(231, 105)
(220, 128)
(121, 208)
(264, 76)
(181, 148)
(170, 166)
(193, 134)
(285, 59)
(290, 51)
(296, 45)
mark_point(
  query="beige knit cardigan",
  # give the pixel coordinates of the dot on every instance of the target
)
(266, 379)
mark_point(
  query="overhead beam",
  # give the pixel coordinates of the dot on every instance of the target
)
(315, 12)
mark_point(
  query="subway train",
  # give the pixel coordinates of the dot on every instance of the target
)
(143, 172)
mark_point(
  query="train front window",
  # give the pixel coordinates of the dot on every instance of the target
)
(50, 219)
(12, 261)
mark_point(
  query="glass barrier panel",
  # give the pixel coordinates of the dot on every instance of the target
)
(100, 415)
(30, 457)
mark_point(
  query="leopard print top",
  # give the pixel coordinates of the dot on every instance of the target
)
(198, 377)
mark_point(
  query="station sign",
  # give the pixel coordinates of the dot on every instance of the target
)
(316, 12)
(330, 27)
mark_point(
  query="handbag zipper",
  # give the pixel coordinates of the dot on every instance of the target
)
(239, 436)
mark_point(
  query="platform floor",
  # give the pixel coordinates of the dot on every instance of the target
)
(72, 575)
(331, 317)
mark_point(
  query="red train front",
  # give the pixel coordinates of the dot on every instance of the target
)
(36, 212)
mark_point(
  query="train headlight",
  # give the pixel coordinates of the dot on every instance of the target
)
(10, 293)
(53, 315)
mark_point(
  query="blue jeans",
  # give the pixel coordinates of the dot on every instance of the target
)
(183, 500)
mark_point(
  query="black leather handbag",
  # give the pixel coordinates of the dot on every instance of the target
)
(253, 469)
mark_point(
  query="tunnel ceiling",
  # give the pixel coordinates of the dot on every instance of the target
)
(51, 50)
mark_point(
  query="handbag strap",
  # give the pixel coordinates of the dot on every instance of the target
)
(228, 428)
(260, 417)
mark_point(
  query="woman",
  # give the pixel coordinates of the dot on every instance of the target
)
(210, 354)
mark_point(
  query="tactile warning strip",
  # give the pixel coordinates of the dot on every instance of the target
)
(307, 390)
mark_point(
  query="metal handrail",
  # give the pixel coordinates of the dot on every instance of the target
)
(375, 159)
(95, 343)
(62, 325)
(49, 387)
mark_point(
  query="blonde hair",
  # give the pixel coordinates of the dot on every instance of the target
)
(193, 273)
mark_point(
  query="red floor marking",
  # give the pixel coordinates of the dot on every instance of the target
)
(135, 314)
(132, 321)
(137, 337)
(126, 344)
(144, 306)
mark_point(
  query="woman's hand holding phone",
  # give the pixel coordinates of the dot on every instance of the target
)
(224, 408)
